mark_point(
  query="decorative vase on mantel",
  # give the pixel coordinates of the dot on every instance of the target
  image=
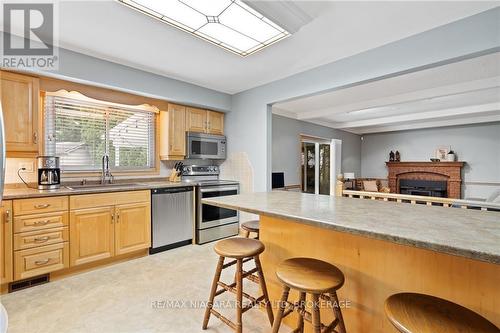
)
(451, 156)
(391, 156)
(398, 156)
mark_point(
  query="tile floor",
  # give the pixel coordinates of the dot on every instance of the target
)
(127, 297)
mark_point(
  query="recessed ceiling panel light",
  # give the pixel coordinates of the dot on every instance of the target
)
(229, 24)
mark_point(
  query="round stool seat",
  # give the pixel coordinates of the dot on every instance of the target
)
(418, 313)
(310, 275)
(239, 247)
(251, 226)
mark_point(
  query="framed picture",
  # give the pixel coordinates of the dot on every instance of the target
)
(442, 152)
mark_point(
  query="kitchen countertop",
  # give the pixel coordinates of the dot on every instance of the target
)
(468, 233)
(130, 185)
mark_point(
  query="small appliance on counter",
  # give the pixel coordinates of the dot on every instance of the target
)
(212, 222)
(49, 173)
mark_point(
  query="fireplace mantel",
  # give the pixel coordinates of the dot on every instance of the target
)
(449, 171)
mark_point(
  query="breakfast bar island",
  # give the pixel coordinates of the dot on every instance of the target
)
(382, 248)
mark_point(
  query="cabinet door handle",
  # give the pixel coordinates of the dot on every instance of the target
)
(7, 216)
(118, 217)
(35, 137)
(112, 218)
(41, 239)
(41, 222)
(42, 262)
(41, 206)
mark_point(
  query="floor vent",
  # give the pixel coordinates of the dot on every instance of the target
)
(18, 285)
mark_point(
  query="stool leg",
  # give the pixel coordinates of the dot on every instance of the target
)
(239, 295)
(300, 320)
(246, 233)
(212, 292)
(337, 311)
(263, 286)
(281, 309)
(316, 321)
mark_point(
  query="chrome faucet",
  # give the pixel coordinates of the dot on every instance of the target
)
(106, 173)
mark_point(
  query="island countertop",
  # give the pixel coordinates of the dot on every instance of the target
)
(468, 233)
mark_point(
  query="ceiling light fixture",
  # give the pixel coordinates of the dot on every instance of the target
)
(230, 24)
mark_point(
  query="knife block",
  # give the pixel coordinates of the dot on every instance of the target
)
(174, 177)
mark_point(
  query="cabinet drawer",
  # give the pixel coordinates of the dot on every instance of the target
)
(40, 222)
(27, 240)
(40, 205)
(40, 260)
(108, 199)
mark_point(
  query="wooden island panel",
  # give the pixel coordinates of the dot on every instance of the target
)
(375, 269)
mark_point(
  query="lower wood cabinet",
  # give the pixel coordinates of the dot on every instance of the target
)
(98, 233)
(132, 228)
(40, 260)
(6, 250)
(91, 235)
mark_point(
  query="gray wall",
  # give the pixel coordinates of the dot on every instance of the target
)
(478, 145)
(249, 124)
(286, 149)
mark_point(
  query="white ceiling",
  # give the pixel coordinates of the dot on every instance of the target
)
(459, 93)
(330, 31)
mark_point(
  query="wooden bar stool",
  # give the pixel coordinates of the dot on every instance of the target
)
(251, 226)
(241, 250)
(315, 277)
(418, 313)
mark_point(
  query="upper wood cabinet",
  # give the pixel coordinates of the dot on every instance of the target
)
(215, 122)
(6, 252)
(204, 121)
(20, 105)
(196, 120)
(173, 132)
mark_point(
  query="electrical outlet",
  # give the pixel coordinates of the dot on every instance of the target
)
(26, 165)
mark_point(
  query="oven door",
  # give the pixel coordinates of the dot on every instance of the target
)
(203, 146)
(211, 216)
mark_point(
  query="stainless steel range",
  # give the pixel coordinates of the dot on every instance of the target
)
(212, 222)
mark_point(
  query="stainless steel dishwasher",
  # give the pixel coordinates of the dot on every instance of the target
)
(173, 218)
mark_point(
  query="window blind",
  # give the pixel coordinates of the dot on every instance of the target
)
(80, 132)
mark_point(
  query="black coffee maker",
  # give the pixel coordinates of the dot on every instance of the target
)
(49, 173)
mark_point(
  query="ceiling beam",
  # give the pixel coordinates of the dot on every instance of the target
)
(404, 98)
(428, 115)
(430, 124)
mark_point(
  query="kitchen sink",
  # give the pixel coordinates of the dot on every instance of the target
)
(100, 186)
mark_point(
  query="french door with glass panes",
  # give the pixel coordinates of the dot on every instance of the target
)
(315, 166)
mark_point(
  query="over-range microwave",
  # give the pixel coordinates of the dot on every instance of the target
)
(205, 146)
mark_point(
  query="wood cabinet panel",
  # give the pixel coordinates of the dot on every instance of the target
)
(19, 96)
(6, 249)
(28, 240)
(40, 221)
(196, 120)
(40, 205)
(91, 235)
(215, 122)
(132, 228)
(40, 260)
(108, 199)
(176, 130)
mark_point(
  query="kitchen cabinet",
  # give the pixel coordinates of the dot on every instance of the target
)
(215, 122)
(173, 133)
(204, 121)
(40, 236)
(91, 235)
(132, 228)
(6, 253)
(109, 224)
(196, 120)
(20, 105)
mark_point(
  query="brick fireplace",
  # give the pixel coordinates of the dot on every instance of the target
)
(449, 172)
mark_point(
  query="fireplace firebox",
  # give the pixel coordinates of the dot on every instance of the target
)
(429, 188)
